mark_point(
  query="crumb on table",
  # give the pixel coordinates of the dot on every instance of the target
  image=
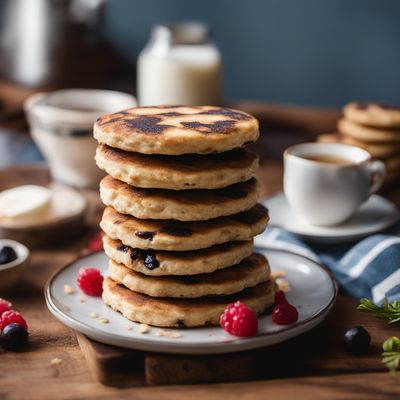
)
(56, 361)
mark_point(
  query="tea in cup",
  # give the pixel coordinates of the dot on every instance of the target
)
(325, 183)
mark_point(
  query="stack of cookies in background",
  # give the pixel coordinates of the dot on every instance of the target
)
(374, 127)
(181, 213)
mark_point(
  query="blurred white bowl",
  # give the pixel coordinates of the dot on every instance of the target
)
(61, 125)
(10, 273)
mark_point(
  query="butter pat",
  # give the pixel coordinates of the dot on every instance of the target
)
(24, 201)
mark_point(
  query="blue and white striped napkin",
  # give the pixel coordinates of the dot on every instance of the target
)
(369, 268)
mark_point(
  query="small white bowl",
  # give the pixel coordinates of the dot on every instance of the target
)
(11, 272)
(61, 125)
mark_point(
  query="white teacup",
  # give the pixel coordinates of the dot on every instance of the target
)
(325, 183)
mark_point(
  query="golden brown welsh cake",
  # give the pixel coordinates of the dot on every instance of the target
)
(177, 130)
(182, 236)
(182, 313)
(184, 205)
(159, 263)
(373, 114)
(210, 171)
(367, 133)
(248, 273)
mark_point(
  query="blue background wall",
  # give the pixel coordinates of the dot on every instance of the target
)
(315, 52)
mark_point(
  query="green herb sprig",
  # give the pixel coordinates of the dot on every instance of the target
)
(389, 311)
(391, 346)
(391, 353)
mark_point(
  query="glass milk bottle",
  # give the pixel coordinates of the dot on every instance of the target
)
(179, 66)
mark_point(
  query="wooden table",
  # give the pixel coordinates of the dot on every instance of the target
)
(313, 366)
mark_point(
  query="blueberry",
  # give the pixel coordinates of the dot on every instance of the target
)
(7, 254)
(357, 340)
(14, 337)
(150, 260)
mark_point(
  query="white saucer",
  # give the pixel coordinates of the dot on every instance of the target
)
(373, 216)
(313, 293)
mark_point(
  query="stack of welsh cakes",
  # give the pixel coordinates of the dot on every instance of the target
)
(374, 127)
(181, 213)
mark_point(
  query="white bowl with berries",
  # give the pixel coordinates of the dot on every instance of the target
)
(14, 258)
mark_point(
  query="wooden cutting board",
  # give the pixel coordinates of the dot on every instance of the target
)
(319, 351)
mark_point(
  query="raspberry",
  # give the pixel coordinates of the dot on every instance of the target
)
(90, 281)
(96, 242)
(280, 297)
(4, 306)
(11, 316)
(239, 320)
(285, 314)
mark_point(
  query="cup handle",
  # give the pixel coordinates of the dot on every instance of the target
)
(378, 171)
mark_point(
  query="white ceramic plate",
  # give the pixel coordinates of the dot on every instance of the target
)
(313, 293)
(373, 216)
